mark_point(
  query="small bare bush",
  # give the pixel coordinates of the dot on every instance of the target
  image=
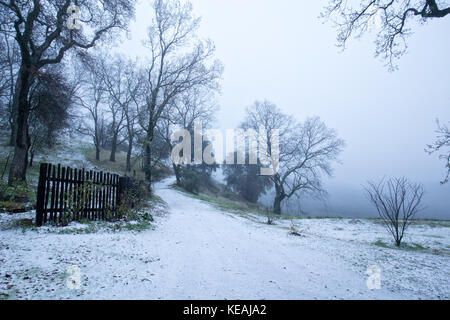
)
(397, 201)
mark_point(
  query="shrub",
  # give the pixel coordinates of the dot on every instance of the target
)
(245, 179)
(18, 192)
(190, 181)
(397, 201)
(161, 172)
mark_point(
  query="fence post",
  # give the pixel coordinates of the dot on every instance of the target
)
(120, 188)
(40, 198)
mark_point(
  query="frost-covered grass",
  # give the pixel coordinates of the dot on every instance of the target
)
(119, 166)
(213, 247)
(200, 251)
(66, 153)
(242, 207)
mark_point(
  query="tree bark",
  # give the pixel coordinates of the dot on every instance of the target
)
(130, 150)
(12, 137)
(18, 169)
(148, 162)
(148, 158)
(97, 153)
(31, 158)
(176, 170)
(112, 157)
(279, 197)
(277, 205)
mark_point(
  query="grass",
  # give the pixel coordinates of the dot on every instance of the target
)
(11, 206)
(157, 200)
(91, 227)
(382, 244)
(242, 207)
(25, 224)
(118, 166)
(416, 247)
(32, 177)
(412, 247)
(96, 226)
(139, 226)
(433, 223)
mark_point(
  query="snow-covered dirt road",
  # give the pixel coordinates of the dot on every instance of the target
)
(199, 252)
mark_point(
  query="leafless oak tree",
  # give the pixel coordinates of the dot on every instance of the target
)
(91, 97)
(40, 29)
(354, 18)
(196, 105)
(306, 150)
(178, 62)
(442, 144)
(114, 71)
(397, 201)
(134, 80)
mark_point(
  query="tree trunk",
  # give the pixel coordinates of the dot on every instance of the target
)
(112, 157)
(279, 196)
(148, 162)
(50, 141)
(18, 169)
(148, 152)
(176, 170)
(148, 165)
(130, 150)
(277, 205)
(31, 158)
(12, 137)
(97, 153)
(148, 155)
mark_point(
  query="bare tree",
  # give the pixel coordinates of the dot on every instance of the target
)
(393, 16)
(306, 150)
(91, 99)
(40, 29)
(9, 63)
(122, 84)
(196, 105)
(442, 144)
(397, 201)
(178, 62)
(134, 86)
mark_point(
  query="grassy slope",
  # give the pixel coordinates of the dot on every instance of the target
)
(242, 207)
(246, 209)
(118, 166)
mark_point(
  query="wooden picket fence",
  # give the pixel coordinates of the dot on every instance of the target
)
(82, 194)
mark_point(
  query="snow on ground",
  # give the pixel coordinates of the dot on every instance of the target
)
(196, 251)
(69, 152)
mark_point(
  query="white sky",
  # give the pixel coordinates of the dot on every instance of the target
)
(281, 51)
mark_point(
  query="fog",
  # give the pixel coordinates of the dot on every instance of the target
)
(282, 51)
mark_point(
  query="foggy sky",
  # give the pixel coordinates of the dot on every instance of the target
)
(281, 51)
